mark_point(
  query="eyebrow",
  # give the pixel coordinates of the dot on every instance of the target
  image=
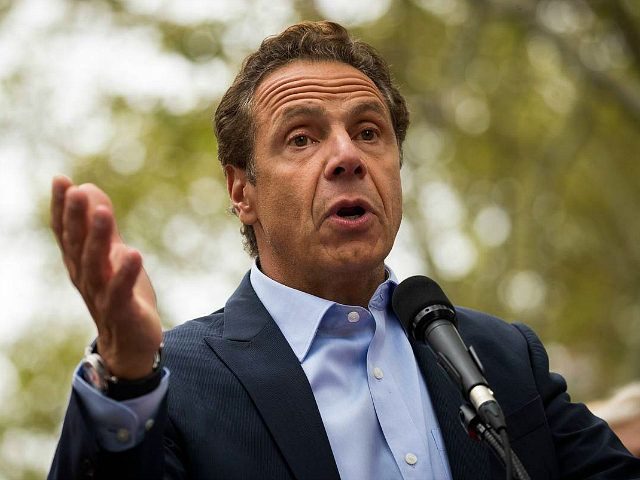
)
(316, 110)
(297, 111)
(368, 107)
(302, 110)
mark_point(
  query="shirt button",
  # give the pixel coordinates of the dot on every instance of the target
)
(148, 425)
(353, 317)
(411, 459)
(122, 435)
(378, 373)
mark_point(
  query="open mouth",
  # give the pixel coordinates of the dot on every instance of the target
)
(351, 213)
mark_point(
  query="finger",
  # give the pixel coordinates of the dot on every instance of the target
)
(120, 290)
(145, 289)
(97, 198)
(95, 257)
(74, 229)
(59, 186)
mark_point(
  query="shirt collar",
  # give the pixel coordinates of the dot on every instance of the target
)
(298, 314)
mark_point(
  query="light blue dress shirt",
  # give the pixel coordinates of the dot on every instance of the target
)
(371, 395)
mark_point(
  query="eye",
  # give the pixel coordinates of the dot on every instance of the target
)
(368, 134)
(300, 141)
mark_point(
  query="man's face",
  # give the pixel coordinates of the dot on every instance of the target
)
(327, 197)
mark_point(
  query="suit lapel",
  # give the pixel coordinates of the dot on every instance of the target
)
(468, 459)
(253, 347)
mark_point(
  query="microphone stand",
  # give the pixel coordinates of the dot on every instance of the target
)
(498, 442)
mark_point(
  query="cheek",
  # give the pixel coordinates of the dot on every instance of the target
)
(397, 208)
(393, 192)
(397, 188)
(282, 199)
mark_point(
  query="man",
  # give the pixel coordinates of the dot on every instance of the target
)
(306, 372)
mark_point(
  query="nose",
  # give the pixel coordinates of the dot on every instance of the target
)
(345, 159)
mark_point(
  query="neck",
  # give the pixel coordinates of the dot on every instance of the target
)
(348, 286)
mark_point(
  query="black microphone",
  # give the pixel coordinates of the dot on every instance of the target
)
(429, 317)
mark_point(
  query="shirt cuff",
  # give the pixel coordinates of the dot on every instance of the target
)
(120, 425)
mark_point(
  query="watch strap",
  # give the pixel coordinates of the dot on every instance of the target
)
(128, 389)
(96, 373)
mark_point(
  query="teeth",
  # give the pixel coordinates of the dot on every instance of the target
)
(351, 217)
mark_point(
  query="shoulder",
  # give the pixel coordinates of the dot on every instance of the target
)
(513, 356)
(484, 329)
(514, 342)
(186, 336)
(188, 355)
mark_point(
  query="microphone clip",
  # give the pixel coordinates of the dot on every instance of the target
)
(498, 441)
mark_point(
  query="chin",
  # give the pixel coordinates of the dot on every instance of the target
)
(358, 259)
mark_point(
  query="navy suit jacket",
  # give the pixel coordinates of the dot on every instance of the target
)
(239, 406)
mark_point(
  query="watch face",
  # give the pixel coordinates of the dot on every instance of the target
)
(92, 377)
(93, 373)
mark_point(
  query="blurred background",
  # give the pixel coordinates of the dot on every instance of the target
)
(521, 171)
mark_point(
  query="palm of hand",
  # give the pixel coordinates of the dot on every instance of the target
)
(109, 276)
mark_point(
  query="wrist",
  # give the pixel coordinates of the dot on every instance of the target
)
(127, 389)
(97, 373)
(131, 361)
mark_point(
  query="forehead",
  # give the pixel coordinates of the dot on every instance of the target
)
(306, 81)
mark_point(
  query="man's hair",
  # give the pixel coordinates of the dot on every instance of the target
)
(313, 41)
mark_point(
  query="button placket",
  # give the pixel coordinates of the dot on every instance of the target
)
(400, 432)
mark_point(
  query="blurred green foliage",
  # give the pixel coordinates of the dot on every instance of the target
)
(525, 117)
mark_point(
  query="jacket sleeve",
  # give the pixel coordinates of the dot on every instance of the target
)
(79, 455)
(585, 446)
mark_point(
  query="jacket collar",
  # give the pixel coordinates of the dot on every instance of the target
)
(254, 348)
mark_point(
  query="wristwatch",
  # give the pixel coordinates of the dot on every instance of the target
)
(96, 373)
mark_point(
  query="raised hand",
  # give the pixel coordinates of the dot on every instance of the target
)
(109, 276)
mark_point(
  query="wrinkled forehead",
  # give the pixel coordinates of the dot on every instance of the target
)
(302, 81)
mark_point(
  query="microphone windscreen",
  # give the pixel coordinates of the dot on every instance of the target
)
(415, 294)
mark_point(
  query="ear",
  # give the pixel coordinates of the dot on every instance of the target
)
(242, 194)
